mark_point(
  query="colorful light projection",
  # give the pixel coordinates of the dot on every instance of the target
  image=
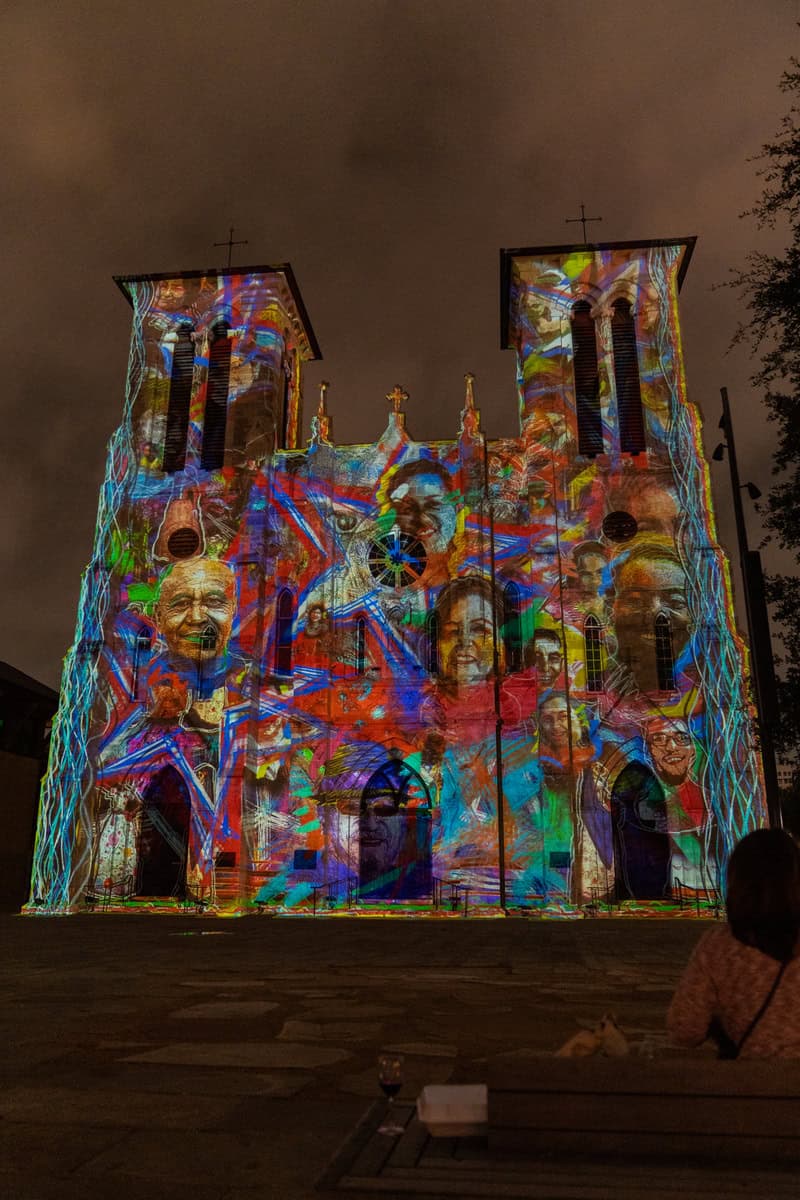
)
(367, 674)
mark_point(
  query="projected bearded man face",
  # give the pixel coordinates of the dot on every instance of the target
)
(195, 610)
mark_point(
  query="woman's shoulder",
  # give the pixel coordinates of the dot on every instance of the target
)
(719, 943)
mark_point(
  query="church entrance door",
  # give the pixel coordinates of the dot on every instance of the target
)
(395, 835)
(641, 843)
(164, 836)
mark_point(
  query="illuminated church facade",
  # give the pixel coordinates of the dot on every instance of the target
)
(403, 674)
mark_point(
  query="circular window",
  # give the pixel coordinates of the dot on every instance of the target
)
(619, 526)
(183, 543)
(396, 559)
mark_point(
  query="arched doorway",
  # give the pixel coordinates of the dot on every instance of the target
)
(641, 842)
(394, 836)
(164, 836)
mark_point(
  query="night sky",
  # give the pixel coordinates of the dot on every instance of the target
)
(387, 149)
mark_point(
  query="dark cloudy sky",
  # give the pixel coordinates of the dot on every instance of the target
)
(387, 149)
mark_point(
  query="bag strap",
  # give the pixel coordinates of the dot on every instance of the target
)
(762, 1010)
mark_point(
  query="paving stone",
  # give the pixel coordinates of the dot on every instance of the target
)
(222, 1010)
(352, 1012)
(180, 1161)
(209, 1083)
(223, 984)
(254, 1055)
(424, 1049)
(54, 1149)
(341, 1031)
(19, 1185)
(122, 1109)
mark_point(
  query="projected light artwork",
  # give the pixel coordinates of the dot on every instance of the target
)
(403, 675)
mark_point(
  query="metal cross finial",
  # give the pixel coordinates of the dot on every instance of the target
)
(396, 397)
(583, 219)
(231, 243)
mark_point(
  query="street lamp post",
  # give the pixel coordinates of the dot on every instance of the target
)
(761, 661)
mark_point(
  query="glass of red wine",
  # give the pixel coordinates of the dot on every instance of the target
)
(390, 1077)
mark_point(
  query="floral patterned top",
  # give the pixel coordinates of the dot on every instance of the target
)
(726, 979)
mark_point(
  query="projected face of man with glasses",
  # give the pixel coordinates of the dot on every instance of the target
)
(671, 748)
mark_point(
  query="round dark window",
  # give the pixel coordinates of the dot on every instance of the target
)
(396, 559)
(183, 543)
(619, 526)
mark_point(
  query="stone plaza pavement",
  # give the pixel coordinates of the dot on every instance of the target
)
(186, 1057)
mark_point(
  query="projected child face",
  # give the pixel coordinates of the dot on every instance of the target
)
(196, 607)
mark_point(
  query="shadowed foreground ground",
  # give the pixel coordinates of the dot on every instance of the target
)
(186, 1057)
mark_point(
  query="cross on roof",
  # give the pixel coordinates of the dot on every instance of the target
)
(231, 243)
(396, 397)
(583, 219)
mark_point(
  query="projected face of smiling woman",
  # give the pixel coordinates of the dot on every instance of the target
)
(465, 640)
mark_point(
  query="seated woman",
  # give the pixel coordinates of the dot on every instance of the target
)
(742, 984)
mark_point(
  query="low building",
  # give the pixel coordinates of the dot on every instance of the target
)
(27, 708)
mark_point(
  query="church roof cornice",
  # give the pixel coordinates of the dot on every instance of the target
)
(284, 269)
(507, 255)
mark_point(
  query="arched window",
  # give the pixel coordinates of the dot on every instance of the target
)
(180, 397)
(626, 375)
(593, 654)
(512, 632)
(361, 646)
(141, 653)
(665, 659)
(587, 380)
(284, 620)
(219, 370)
(432, 624)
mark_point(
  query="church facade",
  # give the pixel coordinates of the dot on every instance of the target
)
(403, 675)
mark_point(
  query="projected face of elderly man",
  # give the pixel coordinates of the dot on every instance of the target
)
(422, 498)
(195, 608)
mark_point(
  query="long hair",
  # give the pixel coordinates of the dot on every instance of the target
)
(764, 893)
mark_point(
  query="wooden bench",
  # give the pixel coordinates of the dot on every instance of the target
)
(688, 1109)
(417, 1164)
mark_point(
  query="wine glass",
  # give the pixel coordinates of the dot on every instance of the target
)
(390, 1077)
